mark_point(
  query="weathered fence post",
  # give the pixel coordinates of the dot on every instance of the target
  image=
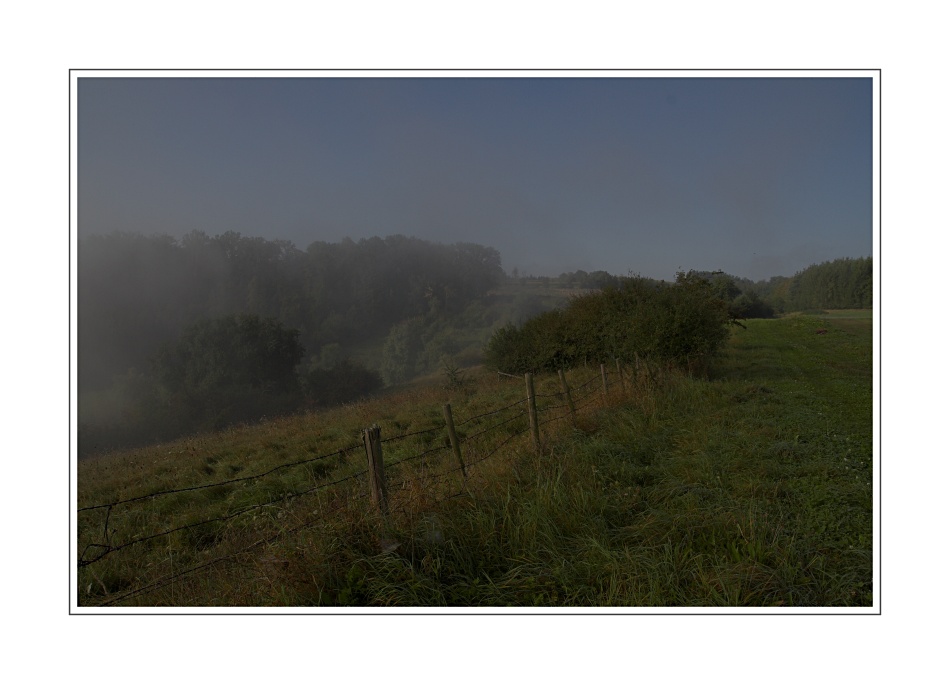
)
(532, 410)
(567, 392)
(374, 459)
(453, 438)
(603, 375)
(623, 380)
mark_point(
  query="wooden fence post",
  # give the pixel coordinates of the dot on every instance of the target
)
(532, 410)
(453, 438)
(603, 375)
(374, 459)
(567, 392)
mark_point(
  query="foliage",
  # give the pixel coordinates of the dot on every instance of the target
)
(751, 489)
(583, 280)
(838, 284)
(677, 324)
(401, 351)
(749, 305)
(229, 369)
(137, 293)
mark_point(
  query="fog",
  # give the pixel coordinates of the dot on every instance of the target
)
(757, 177)
(366, 228)
(192, 334)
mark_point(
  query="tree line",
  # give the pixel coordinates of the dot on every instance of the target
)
(189, 334)
(838, 284)
(846, 283)
(137, 292)
(178, 335)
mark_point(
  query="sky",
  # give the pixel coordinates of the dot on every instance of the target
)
(629, 174)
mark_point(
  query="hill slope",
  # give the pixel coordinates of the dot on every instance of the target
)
(750, 488)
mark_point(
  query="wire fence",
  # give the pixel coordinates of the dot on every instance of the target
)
(419, 471)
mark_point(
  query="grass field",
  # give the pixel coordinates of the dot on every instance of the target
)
(750, 488)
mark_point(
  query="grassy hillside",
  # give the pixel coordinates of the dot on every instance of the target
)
(750, 488)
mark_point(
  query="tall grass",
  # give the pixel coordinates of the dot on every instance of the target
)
(751, 487)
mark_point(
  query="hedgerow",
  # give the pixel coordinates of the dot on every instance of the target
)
(682, 324)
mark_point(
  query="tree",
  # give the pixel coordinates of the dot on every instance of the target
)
(724, 286)
(838, 284)
(229, 369)
(401, 351)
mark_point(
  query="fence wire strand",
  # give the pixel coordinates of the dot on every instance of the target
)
(490, 428)
(412, 434)
(551, 420)
(441, 447)
(286, 497)
(420, 478)
(551, 408)
(170, 579)
(339, 452)
(491, 413)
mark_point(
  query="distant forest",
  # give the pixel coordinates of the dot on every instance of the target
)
(177, 336)
(838, 284)
(190, 334)
(845, 283)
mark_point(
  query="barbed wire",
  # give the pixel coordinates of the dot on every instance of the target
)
(551, 420)
(499, 446)
(432, 450)
(592, 390)
(339, 452)
(411, 434)
(585, 384)
(491, 427)
(544, 409)
(578, 407)
(491, 413)
(401, 484)
(168, 579)
(285, 497)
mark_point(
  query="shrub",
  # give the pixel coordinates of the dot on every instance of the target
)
(679, 324)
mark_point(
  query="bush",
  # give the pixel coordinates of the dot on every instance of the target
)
(679, 324)
(748, 305)
(228, 370)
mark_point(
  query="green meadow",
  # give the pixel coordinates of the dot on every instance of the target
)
(751, 486)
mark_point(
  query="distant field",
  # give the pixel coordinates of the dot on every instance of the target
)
(848, 313)
(853, 320)
(753, 487)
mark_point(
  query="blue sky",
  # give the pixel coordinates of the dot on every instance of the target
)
(755, 176)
